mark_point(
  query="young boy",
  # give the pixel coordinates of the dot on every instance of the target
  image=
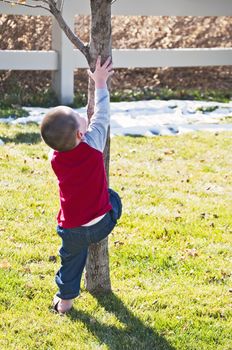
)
(88, 209)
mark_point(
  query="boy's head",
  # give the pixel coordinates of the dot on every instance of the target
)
(62, 128)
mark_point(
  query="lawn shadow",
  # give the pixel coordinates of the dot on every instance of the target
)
(23, 137)
(133, 135)
(131, 334)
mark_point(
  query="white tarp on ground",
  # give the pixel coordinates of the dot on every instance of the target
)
(150, 118)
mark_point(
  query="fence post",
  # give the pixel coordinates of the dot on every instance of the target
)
(63, 78)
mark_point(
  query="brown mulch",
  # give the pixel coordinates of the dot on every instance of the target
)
(127, 32)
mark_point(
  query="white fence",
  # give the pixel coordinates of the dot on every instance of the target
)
(63, 59)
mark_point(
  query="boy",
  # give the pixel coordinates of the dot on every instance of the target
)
(88, 209)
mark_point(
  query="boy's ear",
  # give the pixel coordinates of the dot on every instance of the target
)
(79, 135)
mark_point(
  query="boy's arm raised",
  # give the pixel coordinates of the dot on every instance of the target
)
(97, 131)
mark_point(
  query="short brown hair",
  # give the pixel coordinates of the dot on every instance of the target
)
(59, 129)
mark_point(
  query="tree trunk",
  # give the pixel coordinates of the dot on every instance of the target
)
(97, 276)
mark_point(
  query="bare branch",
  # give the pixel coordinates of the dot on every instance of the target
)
(55, 8)
(70, 34)
(59, 4)
(13, 3)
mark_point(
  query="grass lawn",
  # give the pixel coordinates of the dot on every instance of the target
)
(170, 255)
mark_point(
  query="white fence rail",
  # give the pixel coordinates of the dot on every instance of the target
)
(63, 59)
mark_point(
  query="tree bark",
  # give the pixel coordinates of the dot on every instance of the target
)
(97, 276)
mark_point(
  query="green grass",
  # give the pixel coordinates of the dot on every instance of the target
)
(227, 119)
(170, 255)
(12, 111)
(20, 97)
(147, 93)
(12, 103)
(207, 109)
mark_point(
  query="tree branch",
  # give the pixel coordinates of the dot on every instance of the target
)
(56, 12)
(13, 3)
(69, 33)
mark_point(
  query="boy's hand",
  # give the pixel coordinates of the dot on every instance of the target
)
(102, 73)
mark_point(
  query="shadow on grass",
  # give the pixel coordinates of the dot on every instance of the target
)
(23, 137)
(134, 135)
(133, 334)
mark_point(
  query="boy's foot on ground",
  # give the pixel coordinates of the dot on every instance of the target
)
(62, 306)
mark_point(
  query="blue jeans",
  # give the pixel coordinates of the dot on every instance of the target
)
(74, 249)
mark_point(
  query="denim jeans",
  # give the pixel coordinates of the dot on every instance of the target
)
(74, 249)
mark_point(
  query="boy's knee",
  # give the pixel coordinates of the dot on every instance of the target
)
(116, 203)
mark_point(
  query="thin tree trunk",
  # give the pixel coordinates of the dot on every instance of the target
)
(97, 276)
